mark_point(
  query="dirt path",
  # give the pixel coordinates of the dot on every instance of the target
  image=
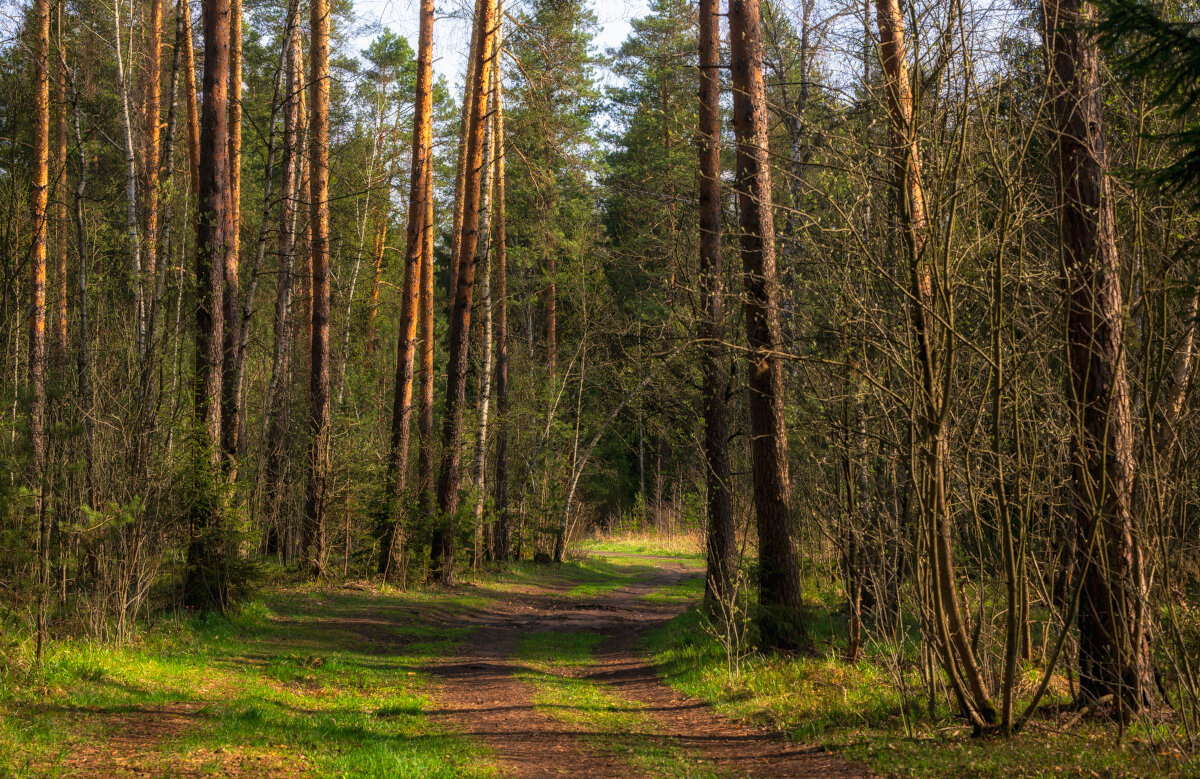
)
(480, 694)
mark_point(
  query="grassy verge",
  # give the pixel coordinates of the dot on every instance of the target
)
(301, 683)
(857, 710)
(685, 544)
(553, 661)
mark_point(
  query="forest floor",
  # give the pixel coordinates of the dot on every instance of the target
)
(597, 667)
(539, 671)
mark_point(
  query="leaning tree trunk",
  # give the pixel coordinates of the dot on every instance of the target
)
(781, 620)
(204, 587)
(1114, 635)
(721, 542)
(460, 319)
(415, 239)
(949, 631)
(313, 543)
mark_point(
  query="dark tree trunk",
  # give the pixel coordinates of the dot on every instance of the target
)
(721, 543)
(313, 543)
(205, 587)
(231, 395)
(781, 619)
(277, 392)
(1114, 636)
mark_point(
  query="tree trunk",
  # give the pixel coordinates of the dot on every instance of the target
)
(551, 321)
(484, 398)
(949, 630)
(276, 421)
(205, 586)
(131, 207)
(60, 198)
(189, 86)
(83, 359)
(425, 438)
(1114, 636)
(150, 165)
(500, 538)
(39, 191)
(230, 386)
(460, 319)
(414, 252)
(721, 543)
(376, 275)
(461, 170)
(318, 385)
(781, 621)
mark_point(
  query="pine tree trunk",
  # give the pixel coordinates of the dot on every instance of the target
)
(277, 418)
(415, 241)
(230, 386)
(425, 436)
(60, 198)
(781, 621)
(461, 169)
(376, 276)
(313, 544)
(460, 320)
(1114, 634)
(39, 191)
(189, 87)
(721, 543)
(204, 587)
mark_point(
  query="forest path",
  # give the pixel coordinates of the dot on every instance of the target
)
(552, 680)
(532, 671)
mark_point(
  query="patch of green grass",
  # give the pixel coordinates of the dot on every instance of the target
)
(553, 661)
(857, 710)
(687, 590)
(310, 682)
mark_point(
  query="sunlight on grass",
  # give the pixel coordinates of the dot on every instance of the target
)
(686, 544)
(688, 590)
(855, 709)
(305, 682)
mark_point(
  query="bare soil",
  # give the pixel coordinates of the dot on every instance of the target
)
(480, 695)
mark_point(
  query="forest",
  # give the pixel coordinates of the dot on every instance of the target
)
(643, 388)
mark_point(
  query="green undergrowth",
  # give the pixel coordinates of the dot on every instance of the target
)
(303, 682)
(553, 663)
(858, 710)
